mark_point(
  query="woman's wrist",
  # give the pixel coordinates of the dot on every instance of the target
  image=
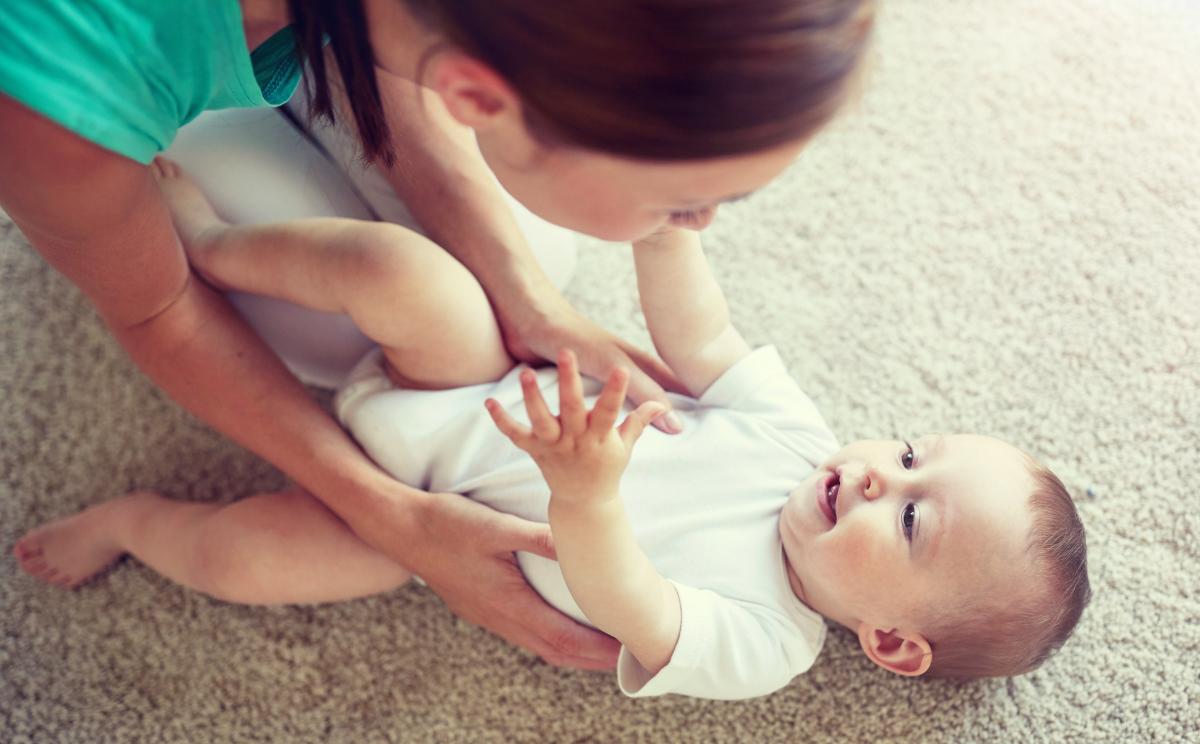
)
(366, 498)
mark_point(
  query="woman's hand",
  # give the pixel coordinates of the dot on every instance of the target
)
(465, 551)
(580, 453)
(536, 329)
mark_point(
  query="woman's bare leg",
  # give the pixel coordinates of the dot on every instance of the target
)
(278, 548)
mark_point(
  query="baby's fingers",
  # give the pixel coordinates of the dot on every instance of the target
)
(508, 426)
(545, 424)
(571, 410)
(635, 423)
(608, 405)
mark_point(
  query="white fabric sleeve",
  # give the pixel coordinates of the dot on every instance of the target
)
(761, 385)
(727, 650)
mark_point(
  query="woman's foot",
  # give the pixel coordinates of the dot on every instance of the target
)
(68, 552)
(195, 219)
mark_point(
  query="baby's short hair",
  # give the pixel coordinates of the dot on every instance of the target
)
(1002, 636)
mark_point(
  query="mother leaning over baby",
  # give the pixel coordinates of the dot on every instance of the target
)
(610, 118)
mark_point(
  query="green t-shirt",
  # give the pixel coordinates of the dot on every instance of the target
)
(126, 74)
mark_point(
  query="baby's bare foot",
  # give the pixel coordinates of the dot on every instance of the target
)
(193, 215)
(67, 552)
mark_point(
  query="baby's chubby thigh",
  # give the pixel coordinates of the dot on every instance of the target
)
(431, 316)
(284, 548)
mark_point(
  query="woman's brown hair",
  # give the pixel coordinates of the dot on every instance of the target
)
(649, 79)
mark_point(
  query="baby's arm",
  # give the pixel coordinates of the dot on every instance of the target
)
(685, 309)
(582, 456)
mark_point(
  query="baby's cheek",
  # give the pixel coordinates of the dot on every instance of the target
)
(862, 563)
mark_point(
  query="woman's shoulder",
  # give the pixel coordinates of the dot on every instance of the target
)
(125, 74)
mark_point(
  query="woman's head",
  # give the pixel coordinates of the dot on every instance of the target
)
(658, 82)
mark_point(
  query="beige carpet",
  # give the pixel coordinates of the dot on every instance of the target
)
(1004, 237)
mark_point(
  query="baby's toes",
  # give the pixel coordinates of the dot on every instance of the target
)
(26, 548)
(163, 168)
(33, 566)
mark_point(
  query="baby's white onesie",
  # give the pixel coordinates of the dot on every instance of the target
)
(704, 506)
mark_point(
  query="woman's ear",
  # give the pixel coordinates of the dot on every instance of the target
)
(908, 654)
(473, 93)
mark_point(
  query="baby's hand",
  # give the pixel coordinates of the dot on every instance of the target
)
(579, 452)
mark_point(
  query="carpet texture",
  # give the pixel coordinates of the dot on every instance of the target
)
(1002, 237)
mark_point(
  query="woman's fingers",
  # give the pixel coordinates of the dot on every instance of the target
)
(649, 378)
(635, 423)
(479, 579)
(644, 390)
(571, 410)
(545, 424)
(658, 374)
(531, 623)
(608, 406)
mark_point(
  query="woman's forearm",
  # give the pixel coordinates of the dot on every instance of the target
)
(203, 355)
(100, 220)
(447, 187)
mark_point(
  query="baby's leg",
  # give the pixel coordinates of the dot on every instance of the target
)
(406, 293)
(279, 548)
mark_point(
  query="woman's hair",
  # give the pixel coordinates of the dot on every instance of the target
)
(649, 79)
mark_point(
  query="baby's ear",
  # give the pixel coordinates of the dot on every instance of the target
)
(901, 652)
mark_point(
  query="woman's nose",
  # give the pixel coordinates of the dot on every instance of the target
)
(705, 218)
(694, 219)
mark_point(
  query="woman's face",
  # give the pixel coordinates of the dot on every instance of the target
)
(609, 197)
(617, 198)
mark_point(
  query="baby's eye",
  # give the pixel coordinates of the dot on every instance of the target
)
(908, 458)
(908, 520)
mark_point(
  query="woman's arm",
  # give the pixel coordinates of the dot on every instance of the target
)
(99, 219)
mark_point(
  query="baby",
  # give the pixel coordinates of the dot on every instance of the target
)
(713, 556)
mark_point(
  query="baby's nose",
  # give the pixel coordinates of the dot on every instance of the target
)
(863, 479)
(872, 484)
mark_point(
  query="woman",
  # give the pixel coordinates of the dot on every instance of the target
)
(613, 119)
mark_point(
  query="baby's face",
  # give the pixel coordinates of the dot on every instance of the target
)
(886, 530)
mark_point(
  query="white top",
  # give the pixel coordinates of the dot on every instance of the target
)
(704, 506)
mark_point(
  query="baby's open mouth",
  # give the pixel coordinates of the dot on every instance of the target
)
(827, 500)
